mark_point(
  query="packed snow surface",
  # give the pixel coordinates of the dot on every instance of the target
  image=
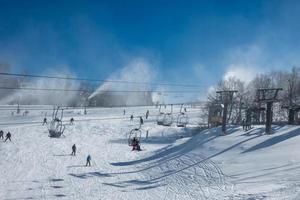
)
(175, 163)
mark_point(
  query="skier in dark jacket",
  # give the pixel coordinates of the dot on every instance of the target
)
(131, 117)
(8, 136)
(147, 114)
(1, 134)
(88, 160)
(141, 121)
(72, 121)
(244, 124)
(45, 121)
(73, 150)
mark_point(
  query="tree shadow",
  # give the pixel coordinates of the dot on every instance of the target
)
(274, 140)
(75, 166)
(90, 175)
(151, 187)
(61, 154)
(59, 195)
(57, 186)
(56, 179)
(145, 184)
(254, 131)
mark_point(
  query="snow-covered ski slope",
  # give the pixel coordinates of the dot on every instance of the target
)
(175, 163)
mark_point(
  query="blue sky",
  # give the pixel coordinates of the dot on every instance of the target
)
(194, 42)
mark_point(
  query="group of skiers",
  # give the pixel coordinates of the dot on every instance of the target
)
(246, 125)
(7, 137)
(141, 118)
(45, 121)
(88, 158)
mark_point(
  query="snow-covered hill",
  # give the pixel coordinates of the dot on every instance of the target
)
(176, 163)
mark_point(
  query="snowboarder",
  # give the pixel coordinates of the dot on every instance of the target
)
(141, 121)
(45, 121)
(131, 117)
(147, 114)
(73, 150)
(8, 136)
(88, 160)
(72, 121)
(1, 134)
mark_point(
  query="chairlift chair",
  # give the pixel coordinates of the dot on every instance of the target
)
(56, 127)
(134, 133)
(182, 118)
(168, 118)
(160, 117)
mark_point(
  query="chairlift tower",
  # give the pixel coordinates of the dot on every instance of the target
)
(225, 98)
(268, 96)
(293, 110)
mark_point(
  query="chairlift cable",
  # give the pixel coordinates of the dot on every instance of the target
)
(96, 80)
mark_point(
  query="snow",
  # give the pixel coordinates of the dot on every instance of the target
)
(176, 163)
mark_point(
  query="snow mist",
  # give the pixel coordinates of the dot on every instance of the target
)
(48, 97)
(138, 70)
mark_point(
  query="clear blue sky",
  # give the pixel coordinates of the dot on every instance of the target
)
(189, 41)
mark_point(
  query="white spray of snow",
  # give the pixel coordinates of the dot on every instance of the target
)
(138, 70)
(244, 63)
(45, 97)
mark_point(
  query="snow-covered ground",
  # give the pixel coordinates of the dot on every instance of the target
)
(176, 163)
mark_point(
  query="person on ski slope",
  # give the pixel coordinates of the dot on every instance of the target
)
(88, 160)
(8, 136)
(73, 150)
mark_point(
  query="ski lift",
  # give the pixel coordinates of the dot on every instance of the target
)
(134, 133)
(56, 127)
(182, 118)
(160, 117)
(168, 118)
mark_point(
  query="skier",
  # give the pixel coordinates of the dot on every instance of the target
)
(248, 125)
(1, 134)
(73, 150)
(147, 114)
(244, 124)
(184, 109)
(45, 121)
(88, 160)
(72, 121)
(141, 121)
(8, 136)
(138, 147)
(124, 112)
(131, 117)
